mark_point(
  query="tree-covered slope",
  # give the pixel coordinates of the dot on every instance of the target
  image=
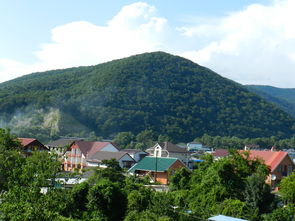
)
(284, 98)
(157, 91)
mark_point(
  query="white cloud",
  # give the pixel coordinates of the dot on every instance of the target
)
(135, 29)
(255, 45)
(10, 69)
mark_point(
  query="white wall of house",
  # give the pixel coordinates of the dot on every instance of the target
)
(92, 164)
(158, 151)
(83, 160)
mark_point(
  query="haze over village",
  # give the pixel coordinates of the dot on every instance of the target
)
(147, 111)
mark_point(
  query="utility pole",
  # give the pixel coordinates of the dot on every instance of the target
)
(156, 166)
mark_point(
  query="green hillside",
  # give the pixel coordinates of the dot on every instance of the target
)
(157, 91)
(284, 98)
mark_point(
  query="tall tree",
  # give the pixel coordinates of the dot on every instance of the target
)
(124, 139)
(287, 188)
(8, 141)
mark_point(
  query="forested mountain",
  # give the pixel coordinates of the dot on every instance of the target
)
(157, 91)
(284, 98)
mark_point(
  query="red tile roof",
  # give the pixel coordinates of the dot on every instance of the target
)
(26, 141)
(270, 158)
(89, 148)
(220, 153)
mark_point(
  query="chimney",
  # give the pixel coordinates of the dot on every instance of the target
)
(246, 147)
(273, 149)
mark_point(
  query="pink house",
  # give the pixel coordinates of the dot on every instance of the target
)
(77, 154)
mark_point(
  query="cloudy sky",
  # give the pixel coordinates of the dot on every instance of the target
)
(249, 41)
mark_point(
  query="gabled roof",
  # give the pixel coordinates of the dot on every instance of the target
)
(88, 148)
(106, 155)
(220, 153)
(63, 142)
(26, 141)
(150, 164)
(172, 148)
(133, 151)
(270, 158)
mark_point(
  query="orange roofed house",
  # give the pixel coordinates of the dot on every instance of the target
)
(77, 154)
(279, 163)
(31, 144)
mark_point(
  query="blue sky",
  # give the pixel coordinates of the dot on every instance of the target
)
(251, 42)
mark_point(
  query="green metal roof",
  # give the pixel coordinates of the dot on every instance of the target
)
(149, 164)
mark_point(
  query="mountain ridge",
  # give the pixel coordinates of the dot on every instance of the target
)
(157, 91)
(284, 98)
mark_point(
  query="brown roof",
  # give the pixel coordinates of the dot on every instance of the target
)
(106, 155)
(31, 142)
(63, 142)
(170, 147)
(220, 153)
(26, 141)
(89, 148)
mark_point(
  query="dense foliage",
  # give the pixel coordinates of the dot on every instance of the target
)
(156, 91)
(232, 186)
(287, 94)
(284, 98)
(240, 143)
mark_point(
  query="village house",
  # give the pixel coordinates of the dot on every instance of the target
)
(194, 145)
(60, 146)
(219, 153)
(123, 158)
(167, 149)
(157, 169)
(31, 144)
(252, 147)
(137, 155)
(79, 151)
(197, 147)
(279, 163)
